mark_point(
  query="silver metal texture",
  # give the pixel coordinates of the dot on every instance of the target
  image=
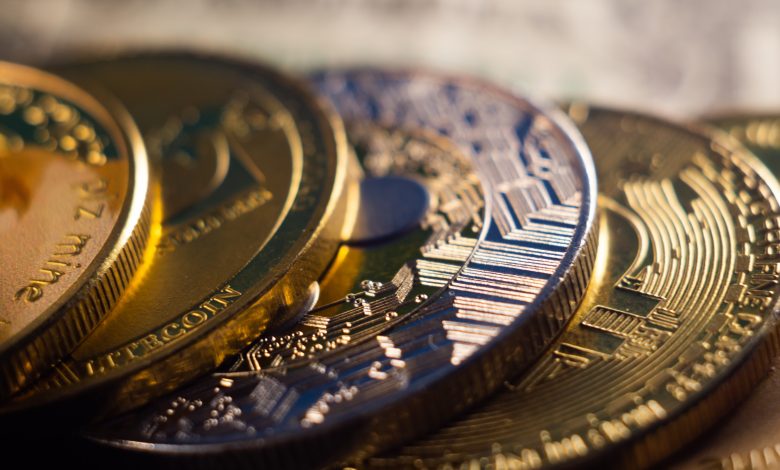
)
(484, 291)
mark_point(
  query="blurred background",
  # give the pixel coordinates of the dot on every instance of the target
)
(679, 58)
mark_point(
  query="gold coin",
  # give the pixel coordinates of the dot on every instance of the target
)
(252, 170)
(74, 217)
(750, 438)
(676, 322)
(480, 210)
(759, 133)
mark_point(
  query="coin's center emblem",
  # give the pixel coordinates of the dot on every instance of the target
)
(203, 146)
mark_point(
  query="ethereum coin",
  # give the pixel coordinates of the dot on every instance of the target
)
(473, 244)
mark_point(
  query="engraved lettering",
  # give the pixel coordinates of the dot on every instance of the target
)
(217, 303)
(169, 332)
(93, 189)
(90, 192)
(193, 318)
(52, 275)
(226, 296)
(151, 342)
(72, 246)
(108, 362)
(29, 293)
(58, 263)
(92, 213)
(200, 227)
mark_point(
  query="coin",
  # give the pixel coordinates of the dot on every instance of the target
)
(253, 171)
(748, 438)
(676, 322)
(74, 217)
(760, 133)
(411, 327)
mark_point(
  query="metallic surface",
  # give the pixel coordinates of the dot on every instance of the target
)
(760, 133)
(409, 331)
(74, 217)
(675, 326)
(252, 172)
(750, 438)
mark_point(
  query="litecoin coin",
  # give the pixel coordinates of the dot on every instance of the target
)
(749, 439)
(74, 217)
(472, 245)
(676, 325)
(252, 177)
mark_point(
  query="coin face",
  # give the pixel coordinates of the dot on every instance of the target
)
(252, 172)
(411, 323)
(74, 217)
(759, 133)
(673, 325)
(749, 437)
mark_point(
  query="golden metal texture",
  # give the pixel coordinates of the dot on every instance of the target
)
(750, 438)
(392, 277)
(74, 217)
(252, 170)
(676, 324)
(449, 295)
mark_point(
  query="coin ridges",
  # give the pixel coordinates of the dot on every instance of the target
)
(682, 297)
(88, 310)
(747, 438)
(59, 118)
(378, 364)
(252, 173)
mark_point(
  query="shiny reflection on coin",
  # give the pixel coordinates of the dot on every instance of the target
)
(675, 326)
(411, 325)
(760, 133)
(74, 217)
(750, 438)
(253, 171)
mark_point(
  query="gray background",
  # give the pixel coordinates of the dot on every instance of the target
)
(673, 57)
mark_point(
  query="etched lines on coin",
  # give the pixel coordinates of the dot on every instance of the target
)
(684, 291)
(446, 309)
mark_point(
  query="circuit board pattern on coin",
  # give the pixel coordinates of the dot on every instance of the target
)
(251, 212)
(748, 439)
(479, 294)
(674, 328)
(445, 239)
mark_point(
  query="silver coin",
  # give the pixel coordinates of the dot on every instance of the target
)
(499, 259)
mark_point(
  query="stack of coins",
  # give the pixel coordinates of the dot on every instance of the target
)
(206, 262)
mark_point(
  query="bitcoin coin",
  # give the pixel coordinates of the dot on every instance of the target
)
(759, 133)
(749, 438)
(74, 217)
(411, 325)
(253, 171)
(676, 323)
